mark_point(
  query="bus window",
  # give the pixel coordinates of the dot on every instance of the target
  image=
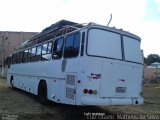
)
(49, 47)
(13, 59)
(20, 56)
(44, 48)
(102, 43)
(38, 53)
(72, 45)
(33, 54)
(29, 55)
(58, 49)
(25, 54)
(132, 51)
(17, 57)
(46, 51)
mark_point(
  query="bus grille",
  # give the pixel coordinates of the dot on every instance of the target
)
(70, 80)
(70, 93)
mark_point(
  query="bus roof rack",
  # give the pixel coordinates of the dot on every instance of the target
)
(59, 28)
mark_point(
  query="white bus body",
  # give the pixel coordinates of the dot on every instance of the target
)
(103, 68)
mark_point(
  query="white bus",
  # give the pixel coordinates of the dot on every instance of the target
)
(91, 65)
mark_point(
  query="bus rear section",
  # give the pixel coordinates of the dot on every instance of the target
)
(114, 69)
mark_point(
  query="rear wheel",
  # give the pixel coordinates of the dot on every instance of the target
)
(42, 93)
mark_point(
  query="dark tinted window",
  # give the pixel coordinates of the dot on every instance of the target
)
(13, 58)
(20, 56)
(72, 44)
(16, 57)
(58, 48)
(25, 55)
(29, 55)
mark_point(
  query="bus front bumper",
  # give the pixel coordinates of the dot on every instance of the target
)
(111, 101)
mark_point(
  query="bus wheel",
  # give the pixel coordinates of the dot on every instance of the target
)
(42, 93)
(11, 82)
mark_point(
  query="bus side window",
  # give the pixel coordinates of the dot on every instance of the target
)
(25, 54)
(58, 49)
(21, 56)
(29, 55)
(33, 54)
(38, 53)
(72, 45)
(46, 51)
(49, 49)
(16, 56)
(13, 59)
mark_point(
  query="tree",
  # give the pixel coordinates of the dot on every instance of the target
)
(151, 59)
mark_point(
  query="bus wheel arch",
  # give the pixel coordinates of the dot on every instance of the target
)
(42, 92)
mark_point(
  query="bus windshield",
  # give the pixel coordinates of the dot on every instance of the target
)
(103, 43)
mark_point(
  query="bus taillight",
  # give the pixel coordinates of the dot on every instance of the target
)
(95, 92)
(85, 91)
(90, 91)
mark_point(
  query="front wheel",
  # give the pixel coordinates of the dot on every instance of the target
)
(42, 93)
(11, 82)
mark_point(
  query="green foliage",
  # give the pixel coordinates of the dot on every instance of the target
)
(151, 59)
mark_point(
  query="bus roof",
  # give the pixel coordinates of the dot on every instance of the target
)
(63, 27)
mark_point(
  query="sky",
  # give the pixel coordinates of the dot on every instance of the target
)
(141, 17)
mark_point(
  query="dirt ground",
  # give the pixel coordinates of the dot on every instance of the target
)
(19, 105)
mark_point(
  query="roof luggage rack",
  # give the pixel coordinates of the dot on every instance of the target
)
(60, 28)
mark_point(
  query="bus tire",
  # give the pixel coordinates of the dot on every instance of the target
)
(42, 92)
(11, 82)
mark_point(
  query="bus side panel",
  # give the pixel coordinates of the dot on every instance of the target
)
(16, 81)
(55, 80)
(62, 89)
(30, 84)
(53, 88)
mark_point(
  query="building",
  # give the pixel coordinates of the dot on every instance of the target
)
(9, 41)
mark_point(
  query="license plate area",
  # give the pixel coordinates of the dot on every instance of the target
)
(121, 91)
